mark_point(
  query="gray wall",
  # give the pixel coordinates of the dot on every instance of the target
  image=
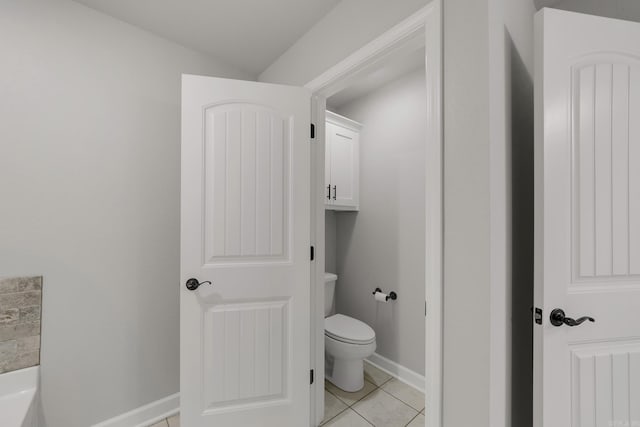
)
(330, 236)
(383, 244)
(489, 248)
(467, 212)
(89, 189)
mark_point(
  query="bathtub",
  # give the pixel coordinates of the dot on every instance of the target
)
(19, 398)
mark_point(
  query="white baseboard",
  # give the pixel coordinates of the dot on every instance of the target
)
(160, 409)
(405, 375)
(146, 415)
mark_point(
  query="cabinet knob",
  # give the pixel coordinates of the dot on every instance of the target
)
(335, 192)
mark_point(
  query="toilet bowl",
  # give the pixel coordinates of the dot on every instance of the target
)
(347, 342)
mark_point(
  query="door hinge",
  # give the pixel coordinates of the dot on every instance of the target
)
(311, 377)
(313, 131)
(425, 309)
(537, 317)
(313, 253)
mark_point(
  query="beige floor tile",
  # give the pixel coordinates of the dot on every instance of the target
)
(383, 410)
(375, 375)
(348, 418)
(350, 398)
(162, 423)
(417, 421)
(174, 421)
(406, 393)
(332, 406)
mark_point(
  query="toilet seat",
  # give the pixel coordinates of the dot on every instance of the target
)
(348, 330)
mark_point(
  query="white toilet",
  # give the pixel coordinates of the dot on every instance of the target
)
(347, 342)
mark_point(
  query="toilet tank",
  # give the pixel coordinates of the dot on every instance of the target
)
(329, 292)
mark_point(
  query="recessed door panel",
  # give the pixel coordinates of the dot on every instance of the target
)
(605, 90)
(247, 176)
(246, 351)
(344, 165)
(605, 382)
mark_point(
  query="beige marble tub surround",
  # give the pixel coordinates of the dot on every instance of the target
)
(20, 311)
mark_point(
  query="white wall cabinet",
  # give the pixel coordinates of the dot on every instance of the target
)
(342, 163)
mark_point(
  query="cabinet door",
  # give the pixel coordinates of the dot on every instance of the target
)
(344, 166)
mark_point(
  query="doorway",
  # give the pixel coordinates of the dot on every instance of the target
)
(419, 33)
(252, 204)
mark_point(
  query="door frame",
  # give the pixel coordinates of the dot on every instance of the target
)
(423, 28)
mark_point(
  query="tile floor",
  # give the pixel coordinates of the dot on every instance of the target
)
(383, 402)
(173, 421)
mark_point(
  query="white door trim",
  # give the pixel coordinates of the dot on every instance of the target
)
(423, 28)
(364, 59)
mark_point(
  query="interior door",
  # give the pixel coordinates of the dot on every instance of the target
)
(343, 144)
(587, 221)
(244, 337)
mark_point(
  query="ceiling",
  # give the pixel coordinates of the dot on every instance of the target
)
(247, 34)
(390, 70)
(545, 3)
(621, 9)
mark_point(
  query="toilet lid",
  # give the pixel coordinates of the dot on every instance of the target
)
(347, 329)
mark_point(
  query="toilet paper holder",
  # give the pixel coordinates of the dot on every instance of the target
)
(392, 295)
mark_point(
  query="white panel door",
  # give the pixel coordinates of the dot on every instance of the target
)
(244, 338)
(344, 164)
(587, 221)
